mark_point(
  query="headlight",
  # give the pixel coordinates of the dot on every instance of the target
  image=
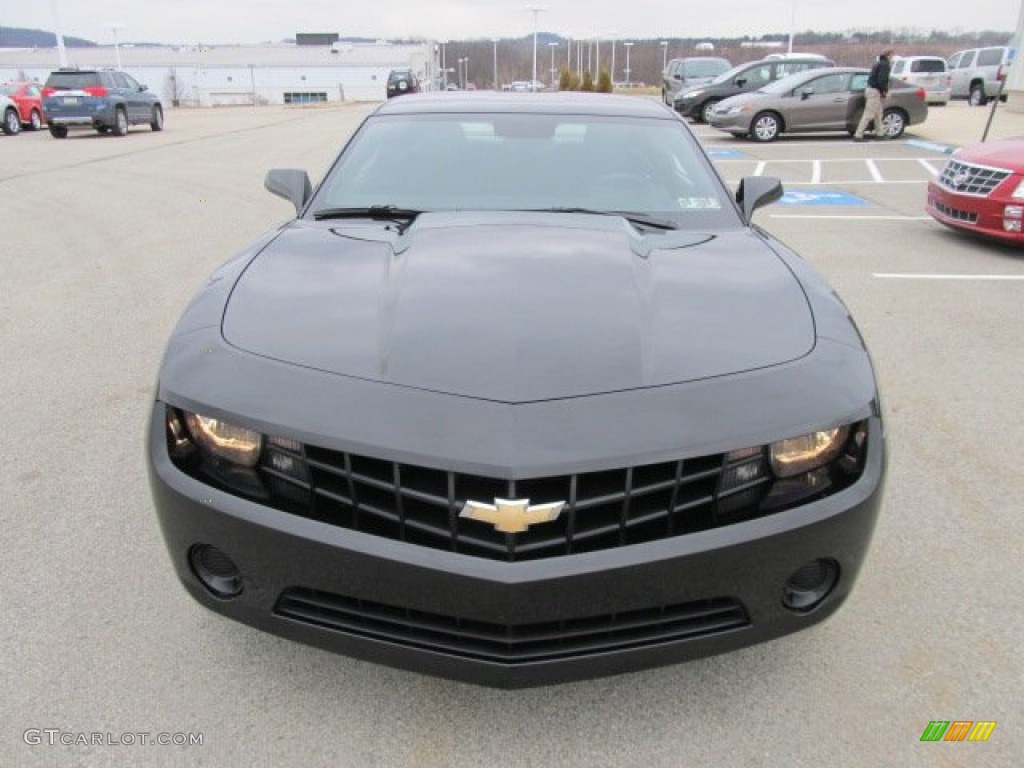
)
(226, 441)
(798, 455)
(735, 110)
(1018, 193)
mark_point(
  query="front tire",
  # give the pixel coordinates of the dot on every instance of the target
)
(977, 97)
(765, 127)
(120, 122)
(59, 131)
(35, 120)
(157, 120)
(12, 123)
(707, 109)
(894, 122)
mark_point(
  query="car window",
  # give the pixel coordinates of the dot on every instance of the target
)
(514, 162)
(858, 81)
(72, 81)
(757, 75)
(32, 90)
(132, 83)
(990, 57)
(120, 80)
(898, 67)
(828, 83)
(705, 67)
(792, 67)
(966, 60)
(928, 65)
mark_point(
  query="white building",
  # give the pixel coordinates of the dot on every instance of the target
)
(242, 74)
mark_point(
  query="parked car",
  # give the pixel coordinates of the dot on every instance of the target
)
(9, 112)
(106, 100)
(402, 81)
(816, 101)
(977, 73)
(29, 101)
(981, 190)
(689, 72)
(520, 396)
(697, 103)
(928, 72)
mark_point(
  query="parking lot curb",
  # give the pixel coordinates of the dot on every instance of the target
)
(945, 149)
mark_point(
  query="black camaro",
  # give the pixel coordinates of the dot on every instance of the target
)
(519, 397)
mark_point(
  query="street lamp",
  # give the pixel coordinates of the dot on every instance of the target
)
(613, 59)
(792, 25)
(444, 69)
(62, 55)
(114, 26)
(627, 46)
(552, 46)
(535, 10)
(664, 54)
(495, 41)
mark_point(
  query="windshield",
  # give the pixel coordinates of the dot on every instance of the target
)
(730, 74)
(787, 84)
(493, 162)
(705, 67)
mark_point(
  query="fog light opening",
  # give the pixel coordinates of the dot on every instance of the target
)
(216, 571)
(810, 584)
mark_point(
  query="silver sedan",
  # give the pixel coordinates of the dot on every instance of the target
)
(817, 101)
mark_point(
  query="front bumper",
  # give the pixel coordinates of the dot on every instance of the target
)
(514, 624)
(737, 124)
(981, 215)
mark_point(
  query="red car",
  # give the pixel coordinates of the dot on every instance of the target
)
(29, 101)
(981, 190)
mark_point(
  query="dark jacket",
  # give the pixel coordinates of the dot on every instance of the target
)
(879, 77)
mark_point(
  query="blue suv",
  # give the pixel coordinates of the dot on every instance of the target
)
(106, 100)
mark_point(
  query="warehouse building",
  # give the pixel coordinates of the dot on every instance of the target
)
(209, 76)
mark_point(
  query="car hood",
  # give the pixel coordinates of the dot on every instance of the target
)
(516, 309)
(1004, 153)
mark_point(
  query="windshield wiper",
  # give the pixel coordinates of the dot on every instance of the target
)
(632, 217)
(402, 216)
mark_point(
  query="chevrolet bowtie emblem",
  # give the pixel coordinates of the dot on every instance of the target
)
(512, 515)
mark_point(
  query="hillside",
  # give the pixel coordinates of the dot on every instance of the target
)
(15, 37)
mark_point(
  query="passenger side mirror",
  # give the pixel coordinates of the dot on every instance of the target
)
(741, 81)
(291, 184)
(757, 191)
(806, 93)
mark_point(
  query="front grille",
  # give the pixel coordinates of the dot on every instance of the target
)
(955, 213)
(516, 643)
(603, 510)
(967, 179)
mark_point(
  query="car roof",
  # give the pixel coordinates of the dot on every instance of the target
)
(541, 103)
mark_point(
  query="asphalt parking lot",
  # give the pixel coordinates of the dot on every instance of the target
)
(106, 239)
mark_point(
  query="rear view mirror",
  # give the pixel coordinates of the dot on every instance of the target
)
(757, 191)
(291, 184)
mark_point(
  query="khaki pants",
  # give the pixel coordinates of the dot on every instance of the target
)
(872, 111)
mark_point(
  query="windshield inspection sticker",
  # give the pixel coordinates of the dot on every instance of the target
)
(699, 204)
(820, 197)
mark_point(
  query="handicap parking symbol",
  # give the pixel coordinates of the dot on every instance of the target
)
(820, 197)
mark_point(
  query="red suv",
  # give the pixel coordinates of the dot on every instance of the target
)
(29, 101)
(981, 190)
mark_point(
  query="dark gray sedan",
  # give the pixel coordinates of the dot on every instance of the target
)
(818, 101)
(520, 396)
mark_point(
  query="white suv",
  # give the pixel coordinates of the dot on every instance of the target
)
(977, 72)
(928, 72)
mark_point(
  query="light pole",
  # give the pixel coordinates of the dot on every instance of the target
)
(535, 10)
(495, 41)
(114, 26)
(552, 46)
(444, 69)
(664, 54)
(62, 55)
(792, 25)
(597, 59)
(613, 59)
(627, 46)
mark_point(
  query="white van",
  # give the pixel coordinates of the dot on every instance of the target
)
(928, 72)
(977, 72)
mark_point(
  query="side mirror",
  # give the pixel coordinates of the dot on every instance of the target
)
(757, 191)
(143, 88)
(740, 82)
(291, 184)
(677, 76)
(806, 93)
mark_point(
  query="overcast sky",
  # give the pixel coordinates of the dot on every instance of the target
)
(252, 21)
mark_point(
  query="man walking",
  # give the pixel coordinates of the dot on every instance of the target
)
(877, 90)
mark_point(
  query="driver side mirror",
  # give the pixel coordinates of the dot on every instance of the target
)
(291, 184)
(757, 191)
(741, 81)
(806, 93)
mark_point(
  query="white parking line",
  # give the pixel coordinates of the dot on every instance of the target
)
(873, 170)
(816, 172)
(853, 217)
(759, 170)
(894, 276)
(928, 166)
